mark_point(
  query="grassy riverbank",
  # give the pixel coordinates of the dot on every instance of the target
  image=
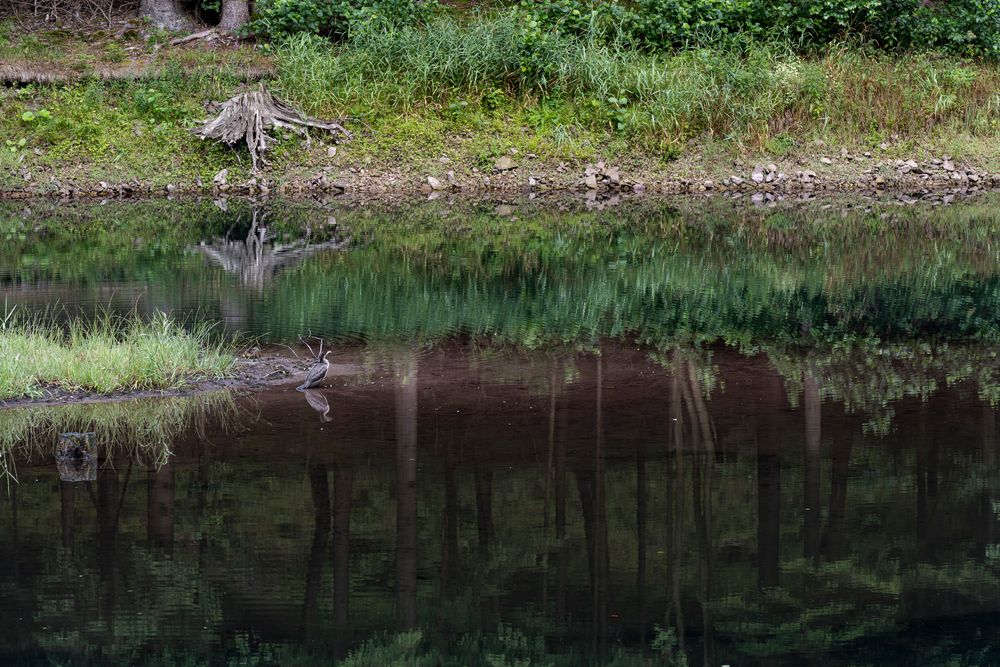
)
(105, 355)
(459, 94)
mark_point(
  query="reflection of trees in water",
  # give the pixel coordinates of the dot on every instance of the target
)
(259, 257)
(868, 376)
(771, 549)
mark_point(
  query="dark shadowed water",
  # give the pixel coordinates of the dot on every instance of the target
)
(650, 435)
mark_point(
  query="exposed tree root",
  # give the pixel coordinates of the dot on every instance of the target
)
(248, 116)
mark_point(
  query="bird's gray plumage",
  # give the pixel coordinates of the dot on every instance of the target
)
(315, 374)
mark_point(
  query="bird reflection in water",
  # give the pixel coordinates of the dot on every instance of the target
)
(317, 401)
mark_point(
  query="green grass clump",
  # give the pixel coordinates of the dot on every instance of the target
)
(106, 355)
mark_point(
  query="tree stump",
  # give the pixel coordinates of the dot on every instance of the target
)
(248, 117)
(76, 457)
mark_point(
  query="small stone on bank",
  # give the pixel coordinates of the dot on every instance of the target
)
(503, 163)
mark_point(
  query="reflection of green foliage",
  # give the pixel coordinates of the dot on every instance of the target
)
(654, 273)
(144, 429)
(868, 376)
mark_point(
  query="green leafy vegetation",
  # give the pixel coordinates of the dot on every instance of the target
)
(475, 88)
(105, 354)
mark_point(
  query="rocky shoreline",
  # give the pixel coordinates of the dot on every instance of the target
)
(843, 173)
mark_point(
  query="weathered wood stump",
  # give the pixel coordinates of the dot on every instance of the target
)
(248, 116)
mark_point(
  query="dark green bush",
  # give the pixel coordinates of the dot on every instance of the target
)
(963, 27)
(334, 18)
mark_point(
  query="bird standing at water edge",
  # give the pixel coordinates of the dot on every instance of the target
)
(316, 372)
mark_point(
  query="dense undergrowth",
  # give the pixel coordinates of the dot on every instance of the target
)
(474, 87)
(106, 354)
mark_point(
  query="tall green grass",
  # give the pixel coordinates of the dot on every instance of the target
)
(106, 354)
(746, 90)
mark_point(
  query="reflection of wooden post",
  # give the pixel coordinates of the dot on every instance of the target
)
(317, 554)
(343, 482)
(811, 472)
(406, 493)
(160, 507)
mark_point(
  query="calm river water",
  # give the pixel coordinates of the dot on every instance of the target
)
(654, 434)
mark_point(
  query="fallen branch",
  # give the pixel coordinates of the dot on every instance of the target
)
(204, 34)
(248, 116)
(24, 73)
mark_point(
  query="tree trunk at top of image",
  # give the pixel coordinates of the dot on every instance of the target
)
(235, 15)
(165, 14)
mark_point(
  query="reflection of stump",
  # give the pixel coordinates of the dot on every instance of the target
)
(76, 457)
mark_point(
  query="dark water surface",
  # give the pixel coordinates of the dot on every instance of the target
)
(661, 434)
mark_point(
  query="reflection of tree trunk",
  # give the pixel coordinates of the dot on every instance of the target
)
(406, 494)
(549, 463)
(600, 550)
(921, 472)
(562, 566)
(986, 522)
(108, 505)
(317, 554)
(449, 541)
(160, 507)
(67, 498)
(675, 509)
(641, 536)
(768, 503)
(551, 448)
(811, 471)
(832, 540)
(701, 480)
(343, 482)
(484, 504)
